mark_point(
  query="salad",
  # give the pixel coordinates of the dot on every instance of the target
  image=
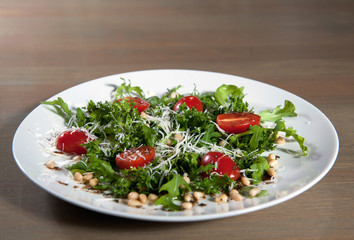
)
(175, 149)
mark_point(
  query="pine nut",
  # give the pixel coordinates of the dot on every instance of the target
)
(143, 198)
(187, 205)
(152, 197)
(144, 115)
(271, 156)
(271, 172)
(280, 140)
(188, 198)
(198, 195)
(222, 143)
(93, 182)
(168, 142)
(78, 177)
(254, 192)
(187, 179)
(88, 177)
(245, 181)
(222, 198)
(174, 95)
(50, 165)
(273, 163)
(235, 195)
(134, 203)
(233, 191)
(133, 196)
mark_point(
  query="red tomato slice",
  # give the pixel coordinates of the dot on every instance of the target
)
(237, 122)
(224, 164)
(140, 104)
(70, 141)
(191, 102)
(135, 157)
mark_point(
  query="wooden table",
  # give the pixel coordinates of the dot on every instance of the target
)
(303, 46)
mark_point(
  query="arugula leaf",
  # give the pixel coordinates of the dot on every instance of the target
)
(80, 117)
(128, 89)
(223, 93)
(164, 100)
(210, 133)
(260, 165)
(212, 184)
(290, 131)
(172, 187)
(205, 169)
(278, 113)
(255, 138)
(150, 136)
(191, 119)
(78, 167)
(101, 168)
(61, 108)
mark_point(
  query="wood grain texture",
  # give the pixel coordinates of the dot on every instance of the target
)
(303, 46)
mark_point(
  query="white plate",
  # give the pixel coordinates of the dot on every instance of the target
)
(296, 175)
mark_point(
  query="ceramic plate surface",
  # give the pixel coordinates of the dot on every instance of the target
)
(296, 174)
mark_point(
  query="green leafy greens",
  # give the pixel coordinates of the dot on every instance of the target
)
(61, 108)
(118, 126)
(173, 192)
(278, 113)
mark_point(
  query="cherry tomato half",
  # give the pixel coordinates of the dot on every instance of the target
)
(224, 164)
(237, 122)
(140, 104)
(70, 141)
(191, 102)
(135, 157)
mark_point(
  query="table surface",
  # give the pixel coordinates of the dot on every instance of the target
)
(303, 46)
